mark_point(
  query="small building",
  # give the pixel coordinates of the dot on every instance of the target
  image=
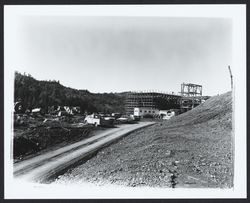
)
(36, 110)
(142, 111)
(63, 111)
(68, 110)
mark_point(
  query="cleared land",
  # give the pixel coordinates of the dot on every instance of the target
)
(194, 149)
(43, 167)
(37, 137)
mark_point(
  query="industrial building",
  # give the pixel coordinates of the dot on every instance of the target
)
(151, 100)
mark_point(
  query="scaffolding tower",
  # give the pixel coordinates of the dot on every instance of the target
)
(191, 90)
(191, 96)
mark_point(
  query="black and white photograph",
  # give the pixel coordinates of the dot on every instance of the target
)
(125, 101)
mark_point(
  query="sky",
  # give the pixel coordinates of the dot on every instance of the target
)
(118, 53)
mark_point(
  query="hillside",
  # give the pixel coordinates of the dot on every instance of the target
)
(34, 93)
(194, 149)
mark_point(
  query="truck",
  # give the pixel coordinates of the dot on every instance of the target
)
(167, 114)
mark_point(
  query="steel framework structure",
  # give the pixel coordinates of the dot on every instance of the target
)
(152, 100)
(191, 96)
(191, 90)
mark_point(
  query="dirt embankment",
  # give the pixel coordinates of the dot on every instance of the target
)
(194, 149)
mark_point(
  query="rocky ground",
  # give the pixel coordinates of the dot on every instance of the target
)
(194, 149)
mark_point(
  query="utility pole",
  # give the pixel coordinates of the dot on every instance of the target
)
(231, 77)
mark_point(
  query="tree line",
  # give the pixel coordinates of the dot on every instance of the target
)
(44, 94)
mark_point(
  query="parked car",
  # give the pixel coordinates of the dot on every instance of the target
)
(116, 115)
(126, 119)
(169, 115)
(98, 120)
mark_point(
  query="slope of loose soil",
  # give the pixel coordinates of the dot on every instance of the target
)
(191, 150)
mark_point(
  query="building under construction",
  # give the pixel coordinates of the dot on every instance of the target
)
(151, 100)
(190, 97)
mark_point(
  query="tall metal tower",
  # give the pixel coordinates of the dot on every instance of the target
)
(191, 96)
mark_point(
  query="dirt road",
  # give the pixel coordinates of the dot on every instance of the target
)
(41, 168)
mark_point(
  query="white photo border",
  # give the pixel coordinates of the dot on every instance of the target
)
(237, 12)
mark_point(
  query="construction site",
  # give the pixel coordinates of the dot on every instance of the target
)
(191, 150)
(110, 101)
(36, 131)
(153, 102)
(162, 140)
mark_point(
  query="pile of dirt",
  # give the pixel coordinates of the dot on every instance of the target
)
(218, 108)
(46, 135)
(194, 149)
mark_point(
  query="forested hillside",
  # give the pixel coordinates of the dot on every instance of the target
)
(34, 93)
